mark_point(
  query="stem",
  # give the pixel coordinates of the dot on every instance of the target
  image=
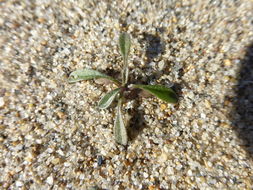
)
(117, 83)
(125, 72)
(119, 103)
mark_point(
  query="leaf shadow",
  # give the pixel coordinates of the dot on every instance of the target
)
(112, 73)
(137, 122)
(242, 114)
(155, 47)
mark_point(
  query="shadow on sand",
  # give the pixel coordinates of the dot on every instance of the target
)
(242, 115)
(154, 48)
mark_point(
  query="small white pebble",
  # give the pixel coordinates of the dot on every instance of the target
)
(203, 116)
(1, 101)
(161, 65)
(50, 150)
(60, 152)
(204, 136)
(210, 164)
(179, 167)
(50, 180)
(19, 183)
(67, 164)
(28, 137)
(82, 176)
(145, 175)
(170, 170)
(189, 172)
(38, 141)
(163, 158)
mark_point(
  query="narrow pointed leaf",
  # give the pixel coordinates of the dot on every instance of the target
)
(108, 98)
(120, 131)
(124, 44)
(161, 92)
(87, 74)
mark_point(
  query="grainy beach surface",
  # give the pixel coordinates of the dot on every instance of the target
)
(52, 135)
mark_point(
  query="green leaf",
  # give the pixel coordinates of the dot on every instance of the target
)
(162, 92)
(120, 131)
(124, 44)
(108, 98)
(87, 74)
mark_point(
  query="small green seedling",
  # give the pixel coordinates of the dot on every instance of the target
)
(162, 92)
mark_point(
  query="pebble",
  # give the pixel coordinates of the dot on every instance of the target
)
(152, 187)
(161, 65)
(55, 161)
(145, 175)
(1, 101)
(50, 180)
(227, 62)
(163, 107)
(170, 170)
(19, 184)
(100, 160)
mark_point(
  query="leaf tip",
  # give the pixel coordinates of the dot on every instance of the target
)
(120, 131)
(124, 44)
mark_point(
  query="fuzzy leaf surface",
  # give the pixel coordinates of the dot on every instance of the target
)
(124, 44)
(87, 74)
(120, 131)
(161, 92)
(108, 98)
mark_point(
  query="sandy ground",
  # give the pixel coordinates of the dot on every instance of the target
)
(52, 136)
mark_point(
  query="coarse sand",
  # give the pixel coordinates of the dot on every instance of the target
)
(53, 136)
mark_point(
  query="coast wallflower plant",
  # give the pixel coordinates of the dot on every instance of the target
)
(164, 93)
